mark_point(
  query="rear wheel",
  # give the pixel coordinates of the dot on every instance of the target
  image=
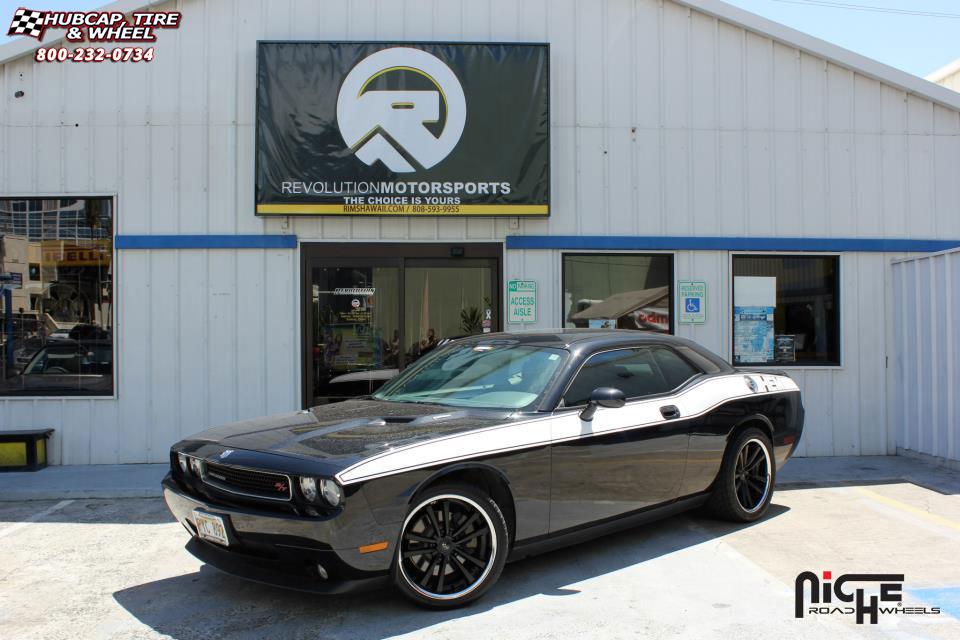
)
(452, 548)
(744, 486)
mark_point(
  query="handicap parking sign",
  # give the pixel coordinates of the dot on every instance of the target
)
(691, 305)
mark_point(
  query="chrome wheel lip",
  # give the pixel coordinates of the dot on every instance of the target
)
(766, 488)
(486, 570)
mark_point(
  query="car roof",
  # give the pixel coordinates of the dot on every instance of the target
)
(66, 345)
(583, 342)
(567, 338)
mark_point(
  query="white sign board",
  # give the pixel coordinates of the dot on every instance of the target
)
(692, 302)
(521, 301)
(751, 291)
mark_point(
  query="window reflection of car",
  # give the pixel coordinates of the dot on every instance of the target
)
(359, 383)
(66, 366)
(89, 332)
(367, 381)
(646, 309)
(27, 348)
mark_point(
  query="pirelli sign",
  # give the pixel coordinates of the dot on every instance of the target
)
(409, 129)
(85, 253)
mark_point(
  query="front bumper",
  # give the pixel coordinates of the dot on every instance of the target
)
(285, 550)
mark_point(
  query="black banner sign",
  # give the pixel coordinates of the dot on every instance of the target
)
(436, 129)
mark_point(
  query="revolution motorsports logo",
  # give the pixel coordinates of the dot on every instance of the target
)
(403, 128)
(390, 125)
(853, 600)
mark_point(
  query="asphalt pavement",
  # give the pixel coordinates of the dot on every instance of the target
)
(81, 567)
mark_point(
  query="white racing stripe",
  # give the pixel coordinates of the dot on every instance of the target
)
(692, 402)
(35, 517)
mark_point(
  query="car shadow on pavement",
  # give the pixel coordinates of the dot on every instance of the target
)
(210, 604)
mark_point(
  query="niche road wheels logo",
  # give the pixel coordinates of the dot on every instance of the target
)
(390, 125)
(854, 601)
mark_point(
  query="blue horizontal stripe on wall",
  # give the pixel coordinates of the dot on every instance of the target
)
(275, 241)
(715, 243)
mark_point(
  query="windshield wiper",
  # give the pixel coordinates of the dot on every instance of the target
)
(436, 404)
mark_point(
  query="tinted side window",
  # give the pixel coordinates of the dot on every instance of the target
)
(675, 369)
(705, 364)
(633, 371)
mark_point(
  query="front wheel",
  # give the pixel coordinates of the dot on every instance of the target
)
(744, 486)
(452, 547)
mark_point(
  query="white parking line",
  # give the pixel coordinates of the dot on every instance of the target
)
(37, 516)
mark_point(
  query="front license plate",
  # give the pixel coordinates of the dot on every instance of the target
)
(211, 527)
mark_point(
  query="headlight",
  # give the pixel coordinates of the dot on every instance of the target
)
(196, 465)
(331, 492)
(184, 463)
(308, 486)
(315, 488)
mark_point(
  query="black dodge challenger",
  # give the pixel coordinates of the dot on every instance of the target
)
(492, 448)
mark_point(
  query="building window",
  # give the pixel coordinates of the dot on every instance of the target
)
(786, 310)
(618, 291)
(61, 311)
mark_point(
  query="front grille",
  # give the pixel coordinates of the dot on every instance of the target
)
(248, 482)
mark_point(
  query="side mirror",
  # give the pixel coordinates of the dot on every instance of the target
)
(606, 397)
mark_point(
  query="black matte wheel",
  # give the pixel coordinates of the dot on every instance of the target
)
(744, 486)
(452, 547)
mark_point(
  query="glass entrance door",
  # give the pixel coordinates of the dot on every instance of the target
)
(355, 333)
(371, 310)
(446, 299)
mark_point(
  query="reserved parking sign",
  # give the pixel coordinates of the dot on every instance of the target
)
(692, 302)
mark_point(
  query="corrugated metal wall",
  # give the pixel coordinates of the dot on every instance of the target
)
(927, 367)
(665, 122)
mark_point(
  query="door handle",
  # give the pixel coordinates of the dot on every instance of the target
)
(670, 412)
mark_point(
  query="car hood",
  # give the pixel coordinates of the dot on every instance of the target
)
(350, 430)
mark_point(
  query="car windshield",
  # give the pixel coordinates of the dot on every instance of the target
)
(494, 376)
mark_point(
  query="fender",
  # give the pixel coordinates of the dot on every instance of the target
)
(454, 468)
(755, 418)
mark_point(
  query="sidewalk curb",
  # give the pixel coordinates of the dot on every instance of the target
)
(78, 482)
(33, 495)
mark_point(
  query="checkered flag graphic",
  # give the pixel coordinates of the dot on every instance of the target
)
(27, 22)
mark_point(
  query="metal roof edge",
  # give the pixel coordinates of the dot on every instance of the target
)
(823, 49)
(716, 8)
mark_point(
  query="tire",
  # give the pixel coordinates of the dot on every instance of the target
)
(744, 487)
(459, 563)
